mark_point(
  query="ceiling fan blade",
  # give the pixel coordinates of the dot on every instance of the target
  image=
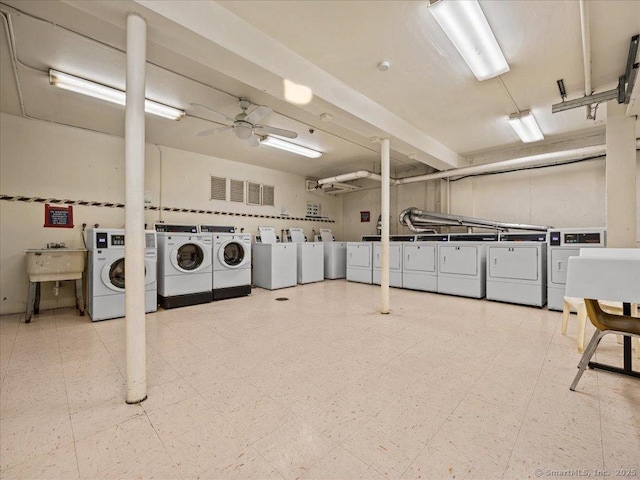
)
(222, 116)
(258, 114)
(253, 141)
(275, 131)
(204, 133)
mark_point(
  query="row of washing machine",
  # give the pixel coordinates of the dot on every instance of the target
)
(184, 265)
(521, 268)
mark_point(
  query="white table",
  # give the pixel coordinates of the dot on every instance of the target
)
(611, 274)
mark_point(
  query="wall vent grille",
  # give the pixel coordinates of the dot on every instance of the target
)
(254, 191)
(218, 188)
(268, 195)
(236, 191)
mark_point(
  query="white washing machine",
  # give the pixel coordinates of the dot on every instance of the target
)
(335, 255)
(420, 262)
(231, 258)
(517, 269)
(462, 264)
(565, 243)
(310, 257)
(275, 265)
(106, 297)
(395, 260)
(184, 266)
(360, 259)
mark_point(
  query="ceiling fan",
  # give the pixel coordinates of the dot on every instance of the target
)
(245, 125)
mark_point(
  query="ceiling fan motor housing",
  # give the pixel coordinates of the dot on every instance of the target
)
(242, 129)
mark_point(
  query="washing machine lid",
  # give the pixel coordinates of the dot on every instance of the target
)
(267, 235)
(233, 254)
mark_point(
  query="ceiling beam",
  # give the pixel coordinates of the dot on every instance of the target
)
(219, 26)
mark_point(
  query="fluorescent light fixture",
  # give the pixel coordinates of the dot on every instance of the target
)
(290, 147)
(525, 125)
(466, 26)
(109, 94)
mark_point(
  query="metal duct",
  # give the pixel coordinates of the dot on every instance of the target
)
(419, 221)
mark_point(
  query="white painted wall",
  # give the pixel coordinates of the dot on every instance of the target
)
(48, 160)
(563, 196)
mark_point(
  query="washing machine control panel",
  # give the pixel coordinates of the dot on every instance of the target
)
(101, 240)
(117, 240)
(162, 227)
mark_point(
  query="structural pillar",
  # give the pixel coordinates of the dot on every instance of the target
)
(384, 209)
(134, 143)
(621, 177)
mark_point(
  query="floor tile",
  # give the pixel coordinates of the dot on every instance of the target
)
(245, 464)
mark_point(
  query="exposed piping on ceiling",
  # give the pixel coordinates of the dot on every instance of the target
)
(543, 159)
(586, 52)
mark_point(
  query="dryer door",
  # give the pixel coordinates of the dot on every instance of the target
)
(233, 254)
(189, 257)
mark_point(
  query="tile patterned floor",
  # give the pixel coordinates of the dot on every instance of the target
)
(317, 387)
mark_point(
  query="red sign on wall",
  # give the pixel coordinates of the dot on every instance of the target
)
(365, 216)
(58, 217)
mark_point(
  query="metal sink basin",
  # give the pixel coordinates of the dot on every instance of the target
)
(52, 264)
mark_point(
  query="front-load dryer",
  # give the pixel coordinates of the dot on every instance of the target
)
(184, 266)
(420, 262)
(106, 273)
(395, 260)
(231, 257)
(462, 264)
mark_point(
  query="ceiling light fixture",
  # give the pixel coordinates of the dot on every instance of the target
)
(525, 125)
(109, 94)
(468, 29)
(290, 147)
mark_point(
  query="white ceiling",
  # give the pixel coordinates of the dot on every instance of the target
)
(431, 103)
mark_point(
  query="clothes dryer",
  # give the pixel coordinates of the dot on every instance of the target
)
(360, 260)
(231, 258)
(462, 264)
(184, 266)
(106, 273)
(395, 260)
(565, 243)
(517, 269)
(275, 265)
(420, 262)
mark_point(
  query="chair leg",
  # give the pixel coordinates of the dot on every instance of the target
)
(582, 325)
(586, 356)
(566, 309)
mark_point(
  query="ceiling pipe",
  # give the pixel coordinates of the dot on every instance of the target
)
(585, 25)
(352, 176)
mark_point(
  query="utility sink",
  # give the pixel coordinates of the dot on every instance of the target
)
(55, 264)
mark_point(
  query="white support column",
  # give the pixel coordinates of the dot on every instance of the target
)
(621, 177)
(384, 209)
(134, 138)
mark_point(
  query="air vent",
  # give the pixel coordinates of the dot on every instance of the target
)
(268, 195)
(218, 188)
(253, 193)
(237, 191)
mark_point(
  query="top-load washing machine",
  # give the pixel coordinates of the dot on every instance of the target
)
(310, 257)
(275, 265)
(395, 260)
(565, 243)
(231, 259)
(335, 255)
(420, 262)
(462, 264)
(184, 265)
(517, 269)
(360, 259)
(106, 274)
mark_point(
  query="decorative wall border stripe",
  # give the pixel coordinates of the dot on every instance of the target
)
(86, 203)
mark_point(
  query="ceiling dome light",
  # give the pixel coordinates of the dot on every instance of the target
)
(243, 130)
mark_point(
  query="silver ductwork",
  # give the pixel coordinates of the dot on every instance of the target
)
(420, 221)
